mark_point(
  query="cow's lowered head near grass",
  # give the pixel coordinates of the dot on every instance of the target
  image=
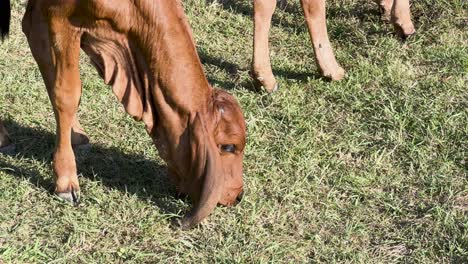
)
(217, 141)
(143, 49)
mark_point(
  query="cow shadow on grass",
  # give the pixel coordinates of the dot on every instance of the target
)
(236, 74)
(126, 172)
(231, 69)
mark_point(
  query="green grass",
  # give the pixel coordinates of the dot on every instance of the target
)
(371, 169)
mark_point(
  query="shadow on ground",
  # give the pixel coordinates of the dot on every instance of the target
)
(235, 72)
(129, 173)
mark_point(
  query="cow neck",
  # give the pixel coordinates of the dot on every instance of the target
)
(175, 65)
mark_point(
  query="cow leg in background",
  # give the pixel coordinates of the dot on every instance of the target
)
(398, 12)
(64, 94)
(315, 15)
(385, 9)
(261, 67)
(40, 46)
(4, 138)
(401, 18)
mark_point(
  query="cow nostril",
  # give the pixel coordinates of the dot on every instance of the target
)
(239, 197)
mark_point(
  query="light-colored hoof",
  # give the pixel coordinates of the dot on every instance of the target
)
(270, 88)
(8, 150)
(404, 30)
(72, 197)
(260, 82)
(335, 75)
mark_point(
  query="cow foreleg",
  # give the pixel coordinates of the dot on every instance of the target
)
(65, 97)
(261, 67)
(36, 30)
(314, 11)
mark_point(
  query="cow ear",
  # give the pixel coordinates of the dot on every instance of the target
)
(206, 173)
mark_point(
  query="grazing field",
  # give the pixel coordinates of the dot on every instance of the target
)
(369, 169)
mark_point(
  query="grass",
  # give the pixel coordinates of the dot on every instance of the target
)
(371, 169)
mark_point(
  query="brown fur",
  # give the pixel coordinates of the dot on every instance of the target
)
(145, 51)
(398, 11)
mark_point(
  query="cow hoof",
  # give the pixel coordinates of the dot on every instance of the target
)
(72, 197)
(269, 87)
(186, 223)
(336, 75)
(181, 196)
(404, 31)
(8, 150)
(260, 82)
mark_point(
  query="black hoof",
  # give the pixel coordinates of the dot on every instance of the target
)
(181, 196)
(186, 223)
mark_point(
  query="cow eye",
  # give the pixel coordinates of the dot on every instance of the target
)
(228, 148)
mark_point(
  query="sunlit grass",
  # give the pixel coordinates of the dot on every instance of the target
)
(370, 169)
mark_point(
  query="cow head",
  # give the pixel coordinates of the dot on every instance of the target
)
(217, 140)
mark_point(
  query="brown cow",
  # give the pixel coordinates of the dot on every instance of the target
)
(145, 50)
(398, 11)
